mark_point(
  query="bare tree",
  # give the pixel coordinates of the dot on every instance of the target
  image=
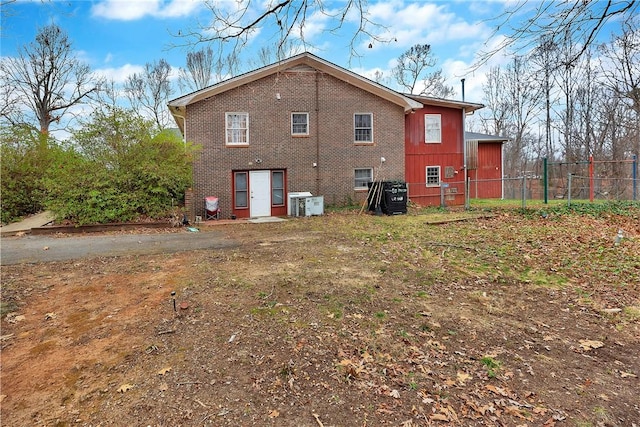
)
(513, 98)
(621, 68)
(543, 60)
(231, 25)
(379, 77)
(566, 80)
(47, 78)
(198, 73)
(10, 111)
(150, 91)
(271, 54)
(110, 94)
(591, 121)
(551, 19)
(494, 118)
(411, 73)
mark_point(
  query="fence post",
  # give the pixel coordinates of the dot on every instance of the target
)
(524, 191)
(591, 180)
(634, 174)
(545, 181)
(441, 196)
(569, 190)
(477, 185)
(467, 186)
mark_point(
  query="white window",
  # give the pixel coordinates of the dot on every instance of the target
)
(363, 127)
(433, 176)
(299, 124)
(277, 188)
(432, 128)
(237, 128)
(240, 184)
(363, 178)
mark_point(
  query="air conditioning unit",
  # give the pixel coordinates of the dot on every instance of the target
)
(297, 203)
(314, 206)
(304, 203)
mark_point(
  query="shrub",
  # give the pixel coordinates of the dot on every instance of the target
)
(26, 156)
(121, 169)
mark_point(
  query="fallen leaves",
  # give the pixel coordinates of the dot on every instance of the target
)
(15, 318)
(164, 371)
(463, 377)
(417, 363)
(445, 413)
(352, 369)
(590, 344)
(125, 388)
(438, 417)
(498, 390)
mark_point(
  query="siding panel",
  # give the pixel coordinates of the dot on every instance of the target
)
(449, 153)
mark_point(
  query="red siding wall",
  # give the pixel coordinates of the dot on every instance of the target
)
(449, 153)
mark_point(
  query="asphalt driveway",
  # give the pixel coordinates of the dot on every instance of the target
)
(37, 248)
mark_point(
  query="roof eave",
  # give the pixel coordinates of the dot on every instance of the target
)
(469, 107)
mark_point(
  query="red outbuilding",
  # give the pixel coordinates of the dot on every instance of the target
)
(435, 149)
(487, 173)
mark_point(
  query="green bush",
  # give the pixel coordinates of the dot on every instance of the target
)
(121, 169)
(27, 156)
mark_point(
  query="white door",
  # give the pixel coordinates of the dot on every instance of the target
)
(260, 197)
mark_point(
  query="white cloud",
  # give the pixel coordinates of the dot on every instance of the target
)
(180, 8)
(314, 25)
(174, 74)
(370, 73)
(125, 10)
(447, 27)
(120, 74)
(413, 22)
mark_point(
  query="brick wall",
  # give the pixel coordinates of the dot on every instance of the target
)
(331, 104)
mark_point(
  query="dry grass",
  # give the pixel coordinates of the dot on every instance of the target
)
(342, 320)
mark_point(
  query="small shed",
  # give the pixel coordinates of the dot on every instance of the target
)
(485, 163)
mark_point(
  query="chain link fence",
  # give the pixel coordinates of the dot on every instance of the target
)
(525, 188)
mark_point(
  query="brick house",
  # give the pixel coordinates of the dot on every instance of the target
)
(299, 125)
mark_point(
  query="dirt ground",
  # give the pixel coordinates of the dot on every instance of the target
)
(339, 320)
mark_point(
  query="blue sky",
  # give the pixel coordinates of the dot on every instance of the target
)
(117, 37)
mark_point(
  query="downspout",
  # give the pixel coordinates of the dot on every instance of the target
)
(189, 195)
(184, 125)
(464, 151)
(318, 163)
(502, 170)
(464, 159)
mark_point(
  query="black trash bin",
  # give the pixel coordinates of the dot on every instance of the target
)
(388, 197)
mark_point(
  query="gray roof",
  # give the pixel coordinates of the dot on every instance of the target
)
(483, 137)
